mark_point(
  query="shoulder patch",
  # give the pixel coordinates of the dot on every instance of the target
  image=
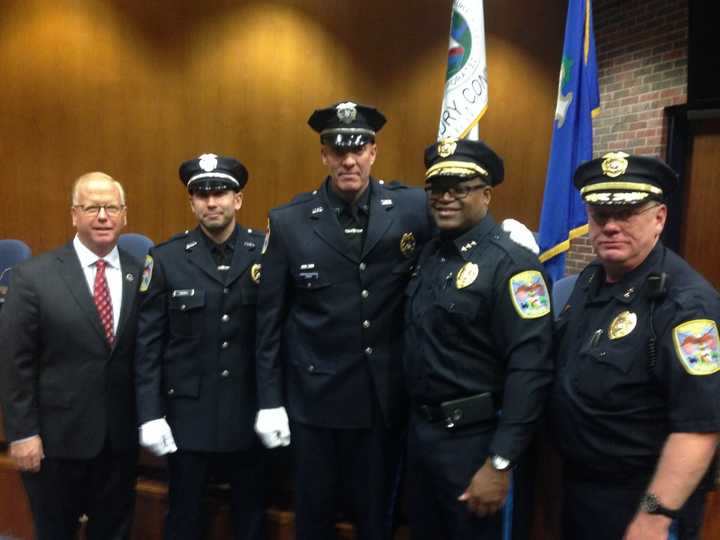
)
(147, 273)
(529, 294)
(696, 346)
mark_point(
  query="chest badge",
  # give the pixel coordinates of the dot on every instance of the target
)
(255, 273)
(530, 294)
(407, 244)
(622, 325)
(466, 275)
(696, 345)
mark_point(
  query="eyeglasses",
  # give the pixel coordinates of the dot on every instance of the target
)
(111, 210)
(602, 215)
(456, 192)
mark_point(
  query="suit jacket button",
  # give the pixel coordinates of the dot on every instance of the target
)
(226, 290)
(183, 307)
(225, 345)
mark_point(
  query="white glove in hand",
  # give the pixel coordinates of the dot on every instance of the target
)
(272, 427)
(157, 437)
(521, 235)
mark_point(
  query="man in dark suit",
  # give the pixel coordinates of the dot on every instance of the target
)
(330, 328)
(195, 368)
(68, 334)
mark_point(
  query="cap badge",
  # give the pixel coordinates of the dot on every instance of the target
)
(446, 147)
(346, 112)
(614, 164)
(466, 275)
(622, 325)
(208, 162)
(255, 272)
(696, 345)
(407, 244)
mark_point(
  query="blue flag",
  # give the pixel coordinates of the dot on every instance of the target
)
(563, 214)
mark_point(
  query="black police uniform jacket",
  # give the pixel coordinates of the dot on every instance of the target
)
(329, 321)
(636, 362)
(195, 361)
(478, 320)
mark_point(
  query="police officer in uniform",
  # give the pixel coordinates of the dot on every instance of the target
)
(330, 328)
(477, 361)
(195, 363)
(635, 406)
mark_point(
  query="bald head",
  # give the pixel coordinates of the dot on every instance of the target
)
(95, 176)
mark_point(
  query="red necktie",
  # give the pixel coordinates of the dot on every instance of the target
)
(101, 296)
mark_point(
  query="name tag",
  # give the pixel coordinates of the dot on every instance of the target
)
(180, 293)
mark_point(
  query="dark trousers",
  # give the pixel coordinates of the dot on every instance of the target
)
(359, 467)
(594, 509)
(189, 473)
(440, 466)
(103, 488)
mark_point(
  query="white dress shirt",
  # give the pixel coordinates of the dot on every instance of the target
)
(113, 274)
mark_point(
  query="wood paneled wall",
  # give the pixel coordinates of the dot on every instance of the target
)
(132, 88)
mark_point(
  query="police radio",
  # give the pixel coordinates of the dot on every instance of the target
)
(656, 287)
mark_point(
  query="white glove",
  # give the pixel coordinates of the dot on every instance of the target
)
(157, 437)
(272, 427)
(521, 235)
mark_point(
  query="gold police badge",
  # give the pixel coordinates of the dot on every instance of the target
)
(446, 146)
(622, 325)
(466, 275)
(255, 272)
(407, 244)
(614, 164)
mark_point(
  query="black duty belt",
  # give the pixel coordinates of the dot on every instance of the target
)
(460, 412)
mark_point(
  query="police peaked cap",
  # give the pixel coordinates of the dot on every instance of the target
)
(210, 172)
(347, 125)
(622, 179)
(461, 159)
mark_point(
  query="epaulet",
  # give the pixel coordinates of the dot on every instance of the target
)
(298, 199)
(394, 185)
(256, 232)
(173, 238)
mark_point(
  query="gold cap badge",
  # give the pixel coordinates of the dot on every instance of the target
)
(446, 147)
(614, 164)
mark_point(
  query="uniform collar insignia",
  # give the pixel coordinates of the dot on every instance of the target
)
(317, 210)
(190, 245)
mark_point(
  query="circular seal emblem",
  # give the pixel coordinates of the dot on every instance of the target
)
(614, 164)
(447, 146)
(255, 272)
(208, 162)
(622, 325)
(346, 112)
(460, 45)
(466, 275)
(407, 244)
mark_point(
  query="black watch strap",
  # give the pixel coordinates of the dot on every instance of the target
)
(650, 504)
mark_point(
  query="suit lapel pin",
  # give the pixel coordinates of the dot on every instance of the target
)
(129, 277)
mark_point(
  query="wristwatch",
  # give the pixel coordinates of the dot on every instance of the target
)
(500, 463)
(650, 504)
